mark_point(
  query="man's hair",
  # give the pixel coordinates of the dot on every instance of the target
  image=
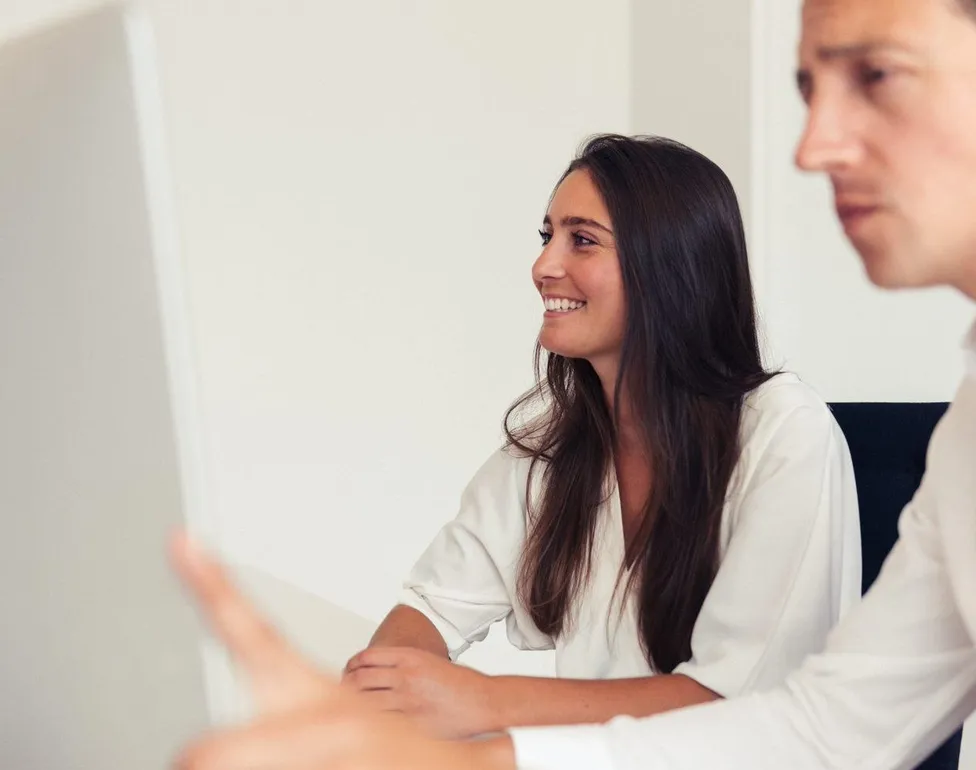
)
(968, 7)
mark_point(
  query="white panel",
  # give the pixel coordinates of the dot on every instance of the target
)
(101, 664)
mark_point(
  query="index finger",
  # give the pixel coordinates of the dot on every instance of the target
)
(249, 638)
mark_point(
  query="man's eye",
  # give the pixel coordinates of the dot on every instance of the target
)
(872, 76)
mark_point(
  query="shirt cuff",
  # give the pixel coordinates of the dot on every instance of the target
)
(561, 748)
(456, 643)
(724, 677)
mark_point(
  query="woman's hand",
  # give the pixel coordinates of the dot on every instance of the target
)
(448, 700)
(307, 721)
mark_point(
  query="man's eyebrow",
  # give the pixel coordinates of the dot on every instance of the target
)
(830, 53)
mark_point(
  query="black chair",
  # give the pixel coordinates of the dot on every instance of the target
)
(888, 443)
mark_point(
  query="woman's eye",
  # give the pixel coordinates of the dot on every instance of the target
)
(546, 237)
(581, 240)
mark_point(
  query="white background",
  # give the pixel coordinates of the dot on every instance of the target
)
(359, 185)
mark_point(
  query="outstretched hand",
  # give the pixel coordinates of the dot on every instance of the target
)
(306, 719)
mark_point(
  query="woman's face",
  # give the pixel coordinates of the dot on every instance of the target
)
(578, 276)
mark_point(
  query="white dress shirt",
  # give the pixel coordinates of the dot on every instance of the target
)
(790, 559)
(897, 677)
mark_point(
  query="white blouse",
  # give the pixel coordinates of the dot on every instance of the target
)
(790, 559)
(898, 674)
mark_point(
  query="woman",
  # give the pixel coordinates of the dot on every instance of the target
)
(679, 524)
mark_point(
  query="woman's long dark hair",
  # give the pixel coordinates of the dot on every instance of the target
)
(690, 355)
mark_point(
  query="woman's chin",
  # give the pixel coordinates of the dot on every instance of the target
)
(560, 347)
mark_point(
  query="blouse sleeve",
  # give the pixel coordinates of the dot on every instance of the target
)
(465, 580)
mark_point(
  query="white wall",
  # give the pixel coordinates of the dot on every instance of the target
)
(692, 80)
(360, 186)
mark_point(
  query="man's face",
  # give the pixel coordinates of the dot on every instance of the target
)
(891, 91)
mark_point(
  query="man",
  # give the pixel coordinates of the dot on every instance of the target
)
(891, 91)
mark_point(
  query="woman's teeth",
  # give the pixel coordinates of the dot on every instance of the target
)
(562, 305)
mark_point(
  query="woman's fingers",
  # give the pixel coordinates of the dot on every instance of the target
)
(374, 678)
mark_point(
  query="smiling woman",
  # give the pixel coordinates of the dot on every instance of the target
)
(591, 286)
(679, 524)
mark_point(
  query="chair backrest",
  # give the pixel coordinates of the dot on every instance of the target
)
(888, 443)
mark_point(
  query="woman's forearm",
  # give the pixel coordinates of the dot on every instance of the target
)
(407, 627)
(517, 701)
